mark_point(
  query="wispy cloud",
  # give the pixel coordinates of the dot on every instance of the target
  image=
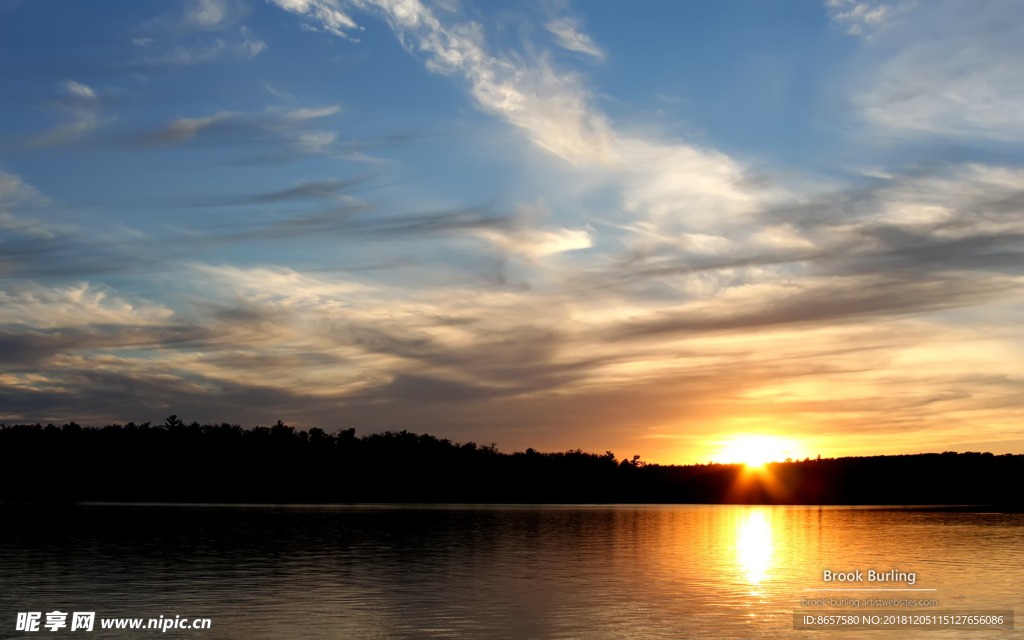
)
(568, 36)
(80, 102)
(866, 17)
(13, 189)
(19, 206)
(327, 14)
(208, 14)
(196, 16)
(185, 129)
(273, 124)
(240, 49)
(662, 181)
(79, 90)
(308, 113)
(949, 72)
(74, 306)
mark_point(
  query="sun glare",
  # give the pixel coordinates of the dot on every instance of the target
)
(756, 450)
(754, 545)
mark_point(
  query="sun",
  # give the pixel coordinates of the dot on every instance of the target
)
(755, 450)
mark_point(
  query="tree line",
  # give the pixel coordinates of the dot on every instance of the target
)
(225, 463)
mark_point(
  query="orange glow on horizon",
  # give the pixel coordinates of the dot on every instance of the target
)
(755, 451)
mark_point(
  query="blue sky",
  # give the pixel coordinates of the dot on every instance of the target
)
(652, 227)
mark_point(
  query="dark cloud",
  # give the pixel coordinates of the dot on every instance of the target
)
(307, 190)
(840, 300)
(327, 191)
(419, 389)
(30, 254)
(272, 126)
(981, 237)
(413, 401)
(33, 347)
(516, 412)
(273, 137)
(610, 415)
(100, 396)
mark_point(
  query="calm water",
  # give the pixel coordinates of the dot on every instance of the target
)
(490, 572)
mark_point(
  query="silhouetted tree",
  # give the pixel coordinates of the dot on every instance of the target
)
(224, 462)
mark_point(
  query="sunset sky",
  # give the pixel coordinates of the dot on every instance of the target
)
(659, 228)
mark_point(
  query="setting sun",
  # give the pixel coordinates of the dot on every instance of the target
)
(755, 450)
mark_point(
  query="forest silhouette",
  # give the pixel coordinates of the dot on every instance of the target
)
(225, 463)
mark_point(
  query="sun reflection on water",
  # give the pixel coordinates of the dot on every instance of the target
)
(754, 548)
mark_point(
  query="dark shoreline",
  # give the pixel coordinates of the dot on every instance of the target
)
(178, 463)
(327, 506)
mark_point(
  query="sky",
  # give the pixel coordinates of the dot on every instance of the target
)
(659, 228)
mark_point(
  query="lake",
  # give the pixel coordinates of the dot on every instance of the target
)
(481, 572)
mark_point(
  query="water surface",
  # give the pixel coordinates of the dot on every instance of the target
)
(481, 572)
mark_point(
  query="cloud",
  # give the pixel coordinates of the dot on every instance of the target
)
(329, 189)
(317, 112)
(919, 227)
(79, 90)
(568, 36)
(319, 211)
(73, 306)
(836, 341)
(551, 108)
(866, 17)
(272, 125)
(66, 133)
(24, 349)
(19, 222)
(186, 55)
(818, 302)
(321, 347)
(81, 103)
(522, 235)
(536, 243)
(198, 33)
(327, 13)
(672, 183)
(950, 72)
(16, 195)
(207, 14)
(196, 16)
(13, 189)
(185, 129)
(346, 221)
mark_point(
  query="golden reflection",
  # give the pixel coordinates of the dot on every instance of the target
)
(754, 548)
